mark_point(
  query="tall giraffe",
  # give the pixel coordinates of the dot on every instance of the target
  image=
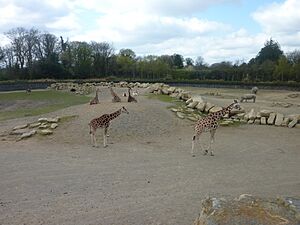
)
(95, 100)
(210, 123)
(130, 98)
(116, 98)
(103, 122)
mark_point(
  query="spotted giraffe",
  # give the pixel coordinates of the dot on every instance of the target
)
(130, 98)
(116, 98)
(95, 100)
(103, 122)
(210, 123)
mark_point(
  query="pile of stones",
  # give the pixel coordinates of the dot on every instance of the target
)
(247, 209)
(87, 88)
(43, 126)
(195, 107)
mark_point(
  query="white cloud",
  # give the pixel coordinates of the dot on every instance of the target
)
(280, 17)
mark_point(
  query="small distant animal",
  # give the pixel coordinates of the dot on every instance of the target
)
(247, 97)
(254, 90)
(130, 98)
(95, 100)
(28, 90)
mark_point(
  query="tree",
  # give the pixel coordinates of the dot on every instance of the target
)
(127, 53)
(189, 62)
(282, 69)
(101, 54)
(271, 51)
(199, 63)
(293, 57)
(177, 61)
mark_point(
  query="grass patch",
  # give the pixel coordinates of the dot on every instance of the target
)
(163, 98)
(51, 101)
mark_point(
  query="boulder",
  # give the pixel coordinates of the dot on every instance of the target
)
(234, 112)
(185, 95)
(197, 98)
(201, 106)
(19, 131)
(192, 118)
(193, 104)
(42, 119)
(271, 118)
(28, 134)
(257, 121)
(190, 100)
(265, 112)
(20, 127)
(215, 109)
(279, 119)
(263, 120)
(285, 122)
(252, 114)
(171, 89)
(297, 126)
(208, 106)
(174, 95)
(174, 110)
(165, 91)
(46, 132)
(44, 125)
(180, 115)
(32, 125)
(53, 125)
(247, 209)
(293, 123)
(250, 121)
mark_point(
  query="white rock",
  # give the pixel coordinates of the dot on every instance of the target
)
(215, 109)
(252, 114)
(208, 106)
(193, 105)
(43, 119)
(28, 134)
(190, 100)
(201, 106)
(285, 122)
(293, 123)
(180, 115)
(32, 125)
(263, 120)
(20, 127)
(44, 125)
(250, 121)
(53, 125)
(197, 98)
(53, 120)
(174, 110)
(46, 132)
(271, 118)
(257, 121)
(279, 119)
(19, 131)
(265, 112)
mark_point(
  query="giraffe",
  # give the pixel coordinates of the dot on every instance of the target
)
(130, 98)
(95, 100)
(210, 123)
(103, 122)
(116, 98)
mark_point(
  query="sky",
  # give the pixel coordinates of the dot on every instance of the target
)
(217, 30)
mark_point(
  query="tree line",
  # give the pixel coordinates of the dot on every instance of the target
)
(32, 54)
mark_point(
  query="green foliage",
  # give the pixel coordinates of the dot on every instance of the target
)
(38, 102)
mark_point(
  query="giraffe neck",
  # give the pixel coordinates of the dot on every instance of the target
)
(114, 114)
(219, 114)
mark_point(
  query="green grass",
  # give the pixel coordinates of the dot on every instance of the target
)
(52, 101)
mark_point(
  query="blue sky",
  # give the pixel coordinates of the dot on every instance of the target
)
(217, 30)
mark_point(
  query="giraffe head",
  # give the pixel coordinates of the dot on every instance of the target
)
(236, 105)
(124, 110)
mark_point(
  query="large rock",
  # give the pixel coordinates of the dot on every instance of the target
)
(185, 95)
(27, 134)
(32, 125)
(265, 112)
(193, 104)
(171, 89)
(53, 125)
(234, 112)
(271, 118)
(190, 100)
(197, 98)
(247, 209)
(201, 106)
(180, 115)
(279, 119)
(293, 123)
(46, 132)
(252, 114)
(53, 120)
(263, 120)
(208, 106)
(19, 131)
(20, 127)
(285, 122)
(215, 109)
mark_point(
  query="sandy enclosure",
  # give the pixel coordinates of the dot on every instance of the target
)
(146, 175)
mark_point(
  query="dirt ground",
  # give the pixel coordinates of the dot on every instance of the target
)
(146, 175)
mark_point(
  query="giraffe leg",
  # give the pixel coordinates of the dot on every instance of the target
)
(104, 137)
(212, 140)
(195, 137)
(95, 141)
